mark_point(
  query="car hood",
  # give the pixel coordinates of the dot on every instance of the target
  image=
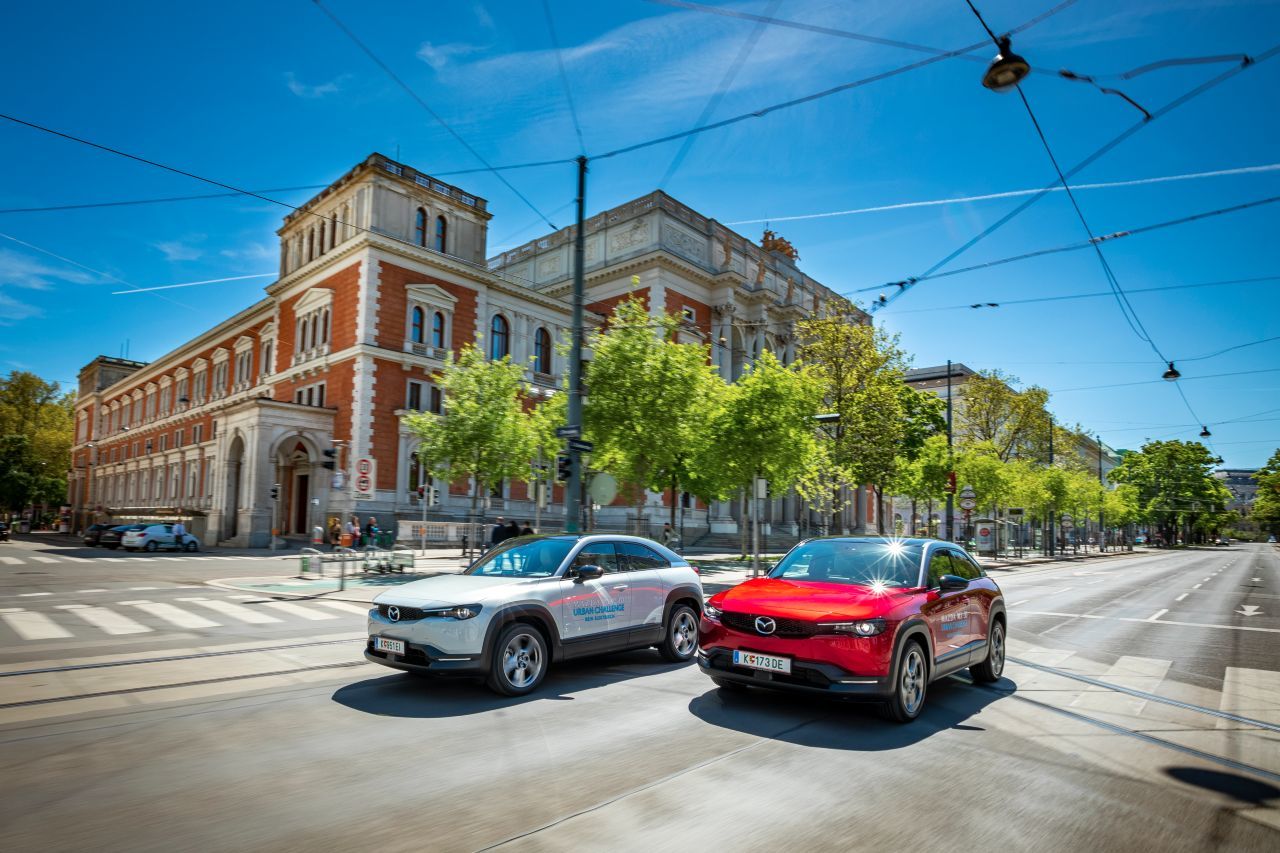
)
(808, 600)
(455, 589)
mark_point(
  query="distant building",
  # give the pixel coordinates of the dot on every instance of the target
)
(1243, 485)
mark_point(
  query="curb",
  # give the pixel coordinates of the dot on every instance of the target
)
(227, 584)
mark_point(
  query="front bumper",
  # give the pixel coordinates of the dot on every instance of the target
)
(806, 677)
(427, 659)
(437, 646)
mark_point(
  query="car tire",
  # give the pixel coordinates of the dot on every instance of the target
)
(191, 547)
(729, 685)
(520, 660)
(989, 670)
(911, 683)
(680, 635)
(151, 547)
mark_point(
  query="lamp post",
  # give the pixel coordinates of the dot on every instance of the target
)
(573, 488)
(951, 484)
(1102, 498)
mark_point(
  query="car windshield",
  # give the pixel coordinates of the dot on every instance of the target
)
(523, 557)
(866, 562)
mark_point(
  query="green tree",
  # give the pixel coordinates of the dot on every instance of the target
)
(861, 370)
(484, 432)
(1174, 485)
(923, 417)
(649, 401)
(763, 428)
(924, 478)
(1266, 505)
(37, 425)
(1015, 423)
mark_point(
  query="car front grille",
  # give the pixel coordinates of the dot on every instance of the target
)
(407, 614)
(746, 623)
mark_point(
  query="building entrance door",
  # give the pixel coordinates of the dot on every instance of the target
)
(301, 500)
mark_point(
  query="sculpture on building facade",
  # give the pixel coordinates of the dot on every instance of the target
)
(771, 242)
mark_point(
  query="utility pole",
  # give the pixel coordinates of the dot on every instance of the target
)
(573, 488)
(1052, 542)
(950, 462)
(1102, 498)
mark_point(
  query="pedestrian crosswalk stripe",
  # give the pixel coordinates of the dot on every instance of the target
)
(235, 611)
(1250, 693)
(298, 610)
(32, 626)
(345, 607)
(106, 619)
(1136, 673)
(40, 559)
(12, 561)
(173, 615)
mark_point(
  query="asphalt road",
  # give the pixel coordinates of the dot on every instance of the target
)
(1142, 712)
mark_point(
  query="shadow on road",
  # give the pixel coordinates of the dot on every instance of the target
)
(841, 724)
(1242, 788)
(407, 695)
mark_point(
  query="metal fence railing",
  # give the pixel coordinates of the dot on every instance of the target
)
(349, 562)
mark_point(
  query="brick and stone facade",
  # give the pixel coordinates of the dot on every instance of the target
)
(383, 277)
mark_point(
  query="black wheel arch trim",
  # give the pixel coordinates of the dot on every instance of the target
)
(681, 593)
(911, 629)
(518, 613)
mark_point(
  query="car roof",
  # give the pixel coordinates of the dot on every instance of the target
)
(885, 538)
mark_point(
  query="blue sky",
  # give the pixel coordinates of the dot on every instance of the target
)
(273, 96)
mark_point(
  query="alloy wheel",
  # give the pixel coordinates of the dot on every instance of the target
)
(684, 633)
(911, 686)
(522, 661)
(997, 650)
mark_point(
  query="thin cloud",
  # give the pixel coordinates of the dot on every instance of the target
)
(13, 311)
(302, 90)
(176, 250)
(440, 55)
(18, 270)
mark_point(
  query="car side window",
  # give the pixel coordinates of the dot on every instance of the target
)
(639, 558)
(602, 554)
(963, 567)
(939, 565)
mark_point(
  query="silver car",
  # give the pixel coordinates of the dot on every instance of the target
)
(534, 600)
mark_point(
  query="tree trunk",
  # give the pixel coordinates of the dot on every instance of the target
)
(743, 521)
(912, 530)
(675, 498)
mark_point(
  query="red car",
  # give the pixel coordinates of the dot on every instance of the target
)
(869, 618)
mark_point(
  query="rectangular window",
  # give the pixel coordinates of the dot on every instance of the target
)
(197, 433)
(164, 443)
(320, 394)
(310, 392)
(166, 395)
(689, 315)
(177, 438)
(201, 386)
(298, 396)
(183, 397)
(415, 396)
(437, 401)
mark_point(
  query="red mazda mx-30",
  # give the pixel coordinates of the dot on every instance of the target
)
(870, 618)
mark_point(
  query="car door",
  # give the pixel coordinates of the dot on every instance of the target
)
(596, 614)
(976, 600)
(647, 571)
(947, 614)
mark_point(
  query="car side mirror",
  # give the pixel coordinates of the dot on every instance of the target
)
(586, 573)
(951, 583)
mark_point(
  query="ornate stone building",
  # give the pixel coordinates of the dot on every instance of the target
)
(382, 277)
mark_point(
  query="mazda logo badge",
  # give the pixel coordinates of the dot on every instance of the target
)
(393, 613)
(765, 625)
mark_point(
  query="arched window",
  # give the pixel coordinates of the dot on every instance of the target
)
(499, 337)
(420, 227)
(437, 330)
(542, 351)
(441, 228)
(416, 327)
(324, 327)
(333, 230)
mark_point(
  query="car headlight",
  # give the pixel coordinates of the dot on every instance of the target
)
(459, 611)
(710, 611)
(861, 628)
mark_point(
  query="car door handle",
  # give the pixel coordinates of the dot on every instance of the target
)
(621, 587)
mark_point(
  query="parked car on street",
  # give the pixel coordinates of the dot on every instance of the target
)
(869, 618)
(93, 533)
(537, 600)
(153, 537)
(112, 536)
(4, 531)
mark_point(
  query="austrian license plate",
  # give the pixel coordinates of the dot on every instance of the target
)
(383, 644)
(768, 663)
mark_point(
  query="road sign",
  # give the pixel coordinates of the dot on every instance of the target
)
(968, 492)
(1068, 524)
(967, 503)
(365, 481)
(569, 432)
(581, 446)
(1014, 510)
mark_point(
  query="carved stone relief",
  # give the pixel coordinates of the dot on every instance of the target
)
(635, 233)
(683, 243)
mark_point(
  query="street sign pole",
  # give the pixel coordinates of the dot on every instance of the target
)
(573, 488)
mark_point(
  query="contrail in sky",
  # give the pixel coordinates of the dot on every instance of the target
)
(194, 283)
(1244, 170)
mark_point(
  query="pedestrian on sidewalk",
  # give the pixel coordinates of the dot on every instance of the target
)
(498, 533)
(371, 532)
(526, 530)
(668, 535)
(335, 534)
(179, 535)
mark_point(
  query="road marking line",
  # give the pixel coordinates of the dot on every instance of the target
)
(1023, 601)
(173, 615)
(1135, 673)
(107, 620)
(89, 590)
(32, 594)
(1157, 615)
(32, 626)
(1207, 579)
(235, 611)
(143, 588)
(40, 559)
(298, 610)
(1179, 598)
(12, 561)
(1197, 586)
(346, 607)
(1161, 622)
(1250, 692)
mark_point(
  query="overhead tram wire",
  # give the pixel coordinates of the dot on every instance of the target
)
(564, 77)
(138, 201)
(1249, 62)
(175, 170)
(713, 102)
(1072, 247)
(427, 108)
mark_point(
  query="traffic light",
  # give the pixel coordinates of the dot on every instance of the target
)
(433, 496)
(329, 461)
(951, 482)
(275, 491)
(422, 492)
(564, 467)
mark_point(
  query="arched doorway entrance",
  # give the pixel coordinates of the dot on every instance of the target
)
(297, 488)
(235, 475)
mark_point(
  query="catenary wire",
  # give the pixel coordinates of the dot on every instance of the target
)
(1093, 157)
(252, 194)
(564, 77)
(1162, 381)
(427, 108)
(163, 200)
(1005, 302)
(1071, 247)
(714, 101)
